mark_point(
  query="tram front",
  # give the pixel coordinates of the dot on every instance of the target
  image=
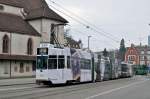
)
(41, 65)
(51, 65)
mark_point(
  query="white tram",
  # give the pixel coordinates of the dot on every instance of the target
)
(126, 70)
(56, 65)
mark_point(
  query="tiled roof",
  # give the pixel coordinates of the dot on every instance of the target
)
(11, 2)
(72, 42)
(15, 24)
(35, 9)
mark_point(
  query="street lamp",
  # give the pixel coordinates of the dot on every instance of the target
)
(89, 42)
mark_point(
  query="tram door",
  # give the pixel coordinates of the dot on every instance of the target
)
(55, 65)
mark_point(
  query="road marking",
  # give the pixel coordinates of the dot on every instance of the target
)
(116, 89)
(9, 89)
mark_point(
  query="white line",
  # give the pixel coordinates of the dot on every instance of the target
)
(112, 90)
(9, 89)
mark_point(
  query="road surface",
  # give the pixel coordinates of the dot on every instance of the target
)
(130, 88)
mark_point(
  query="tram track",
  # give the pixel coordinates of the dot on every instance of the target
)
(37, 92)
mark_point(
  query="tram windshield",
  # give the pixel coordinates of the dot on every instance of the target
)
(42, 62)
(124, 67)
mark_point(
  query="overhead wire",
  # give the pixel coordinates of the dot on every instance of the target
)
(96, 31)
(94, 26)
(97, 39)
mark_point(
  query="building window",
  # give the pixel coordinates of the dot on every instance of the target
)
(6, 70)
(21, 68)
(1, 7)
(141, 57)
(16, 69)
(148, 52)
(27, 69)
(30, 47)
(131, 51)
(34, 66)
(131, 58)
(142, 52)
(5, 44)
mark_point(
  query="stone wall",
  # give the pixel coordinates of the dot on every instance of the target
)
(19, 43)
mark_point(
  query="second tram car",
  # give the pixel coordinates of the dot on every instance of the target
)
(126, 70)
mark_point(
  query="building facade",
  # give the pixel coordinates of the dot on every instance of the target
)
(24, 24)
(70, 42)
(138, 55)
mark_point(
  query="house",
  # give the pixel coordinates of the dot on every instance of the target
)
(24, 24)
(138, 55)
(70, 42)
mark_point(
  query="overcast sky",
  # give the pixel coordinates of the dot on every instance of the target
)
(126, 19)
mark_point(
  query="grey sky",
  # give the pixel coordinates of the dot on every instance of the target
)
(127, 19)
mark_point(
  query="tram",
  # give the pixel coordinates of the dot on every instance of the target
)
(67, 65)
(62, 65)
(126, 70)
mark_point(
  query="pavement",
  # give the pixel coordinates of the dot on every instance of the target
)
(17, 81)
(128, 88)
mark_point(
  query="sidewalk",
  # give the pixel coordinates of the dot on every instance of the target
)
(18, 81)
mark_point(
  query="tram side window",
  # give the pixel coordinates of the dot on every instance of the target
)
(85, 64)
(61, 62)
(124, 68)
(68, 62)
(89, 64)
(82, 64)
(52, 62)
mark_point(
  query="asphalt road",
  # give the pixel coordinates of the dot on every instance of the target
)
(130, 88)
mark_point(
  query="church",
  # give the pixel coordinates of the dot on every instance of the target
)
(24, 24)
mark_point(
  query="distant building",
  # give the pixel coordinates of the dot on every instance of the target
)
(23, 25)
(149, 40)
(70, 42)
(138, 55)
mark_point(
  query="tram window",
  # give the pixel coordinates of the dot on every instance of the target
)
(52, 63)
(124, 68)
(86, 64)
(42, 51)
(41, 62)
(61, 56)
(44, 62)
(68, 62)
(82, 64)
(61, 62)
(52, 56)
(89, 66)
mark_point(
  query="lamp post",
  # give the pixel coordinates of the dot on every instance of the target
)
(89, 42)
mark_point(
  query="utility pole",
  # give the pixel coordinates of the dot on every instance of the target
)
(89, 42)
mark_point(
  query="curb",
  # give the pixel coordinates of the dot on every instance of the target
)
(16, 84)
(16, 78)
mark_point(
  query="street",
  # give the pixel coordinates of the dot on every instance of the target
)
(128, 88)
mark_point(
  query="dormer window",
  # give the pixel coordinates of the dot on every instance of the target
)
(1, 7)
